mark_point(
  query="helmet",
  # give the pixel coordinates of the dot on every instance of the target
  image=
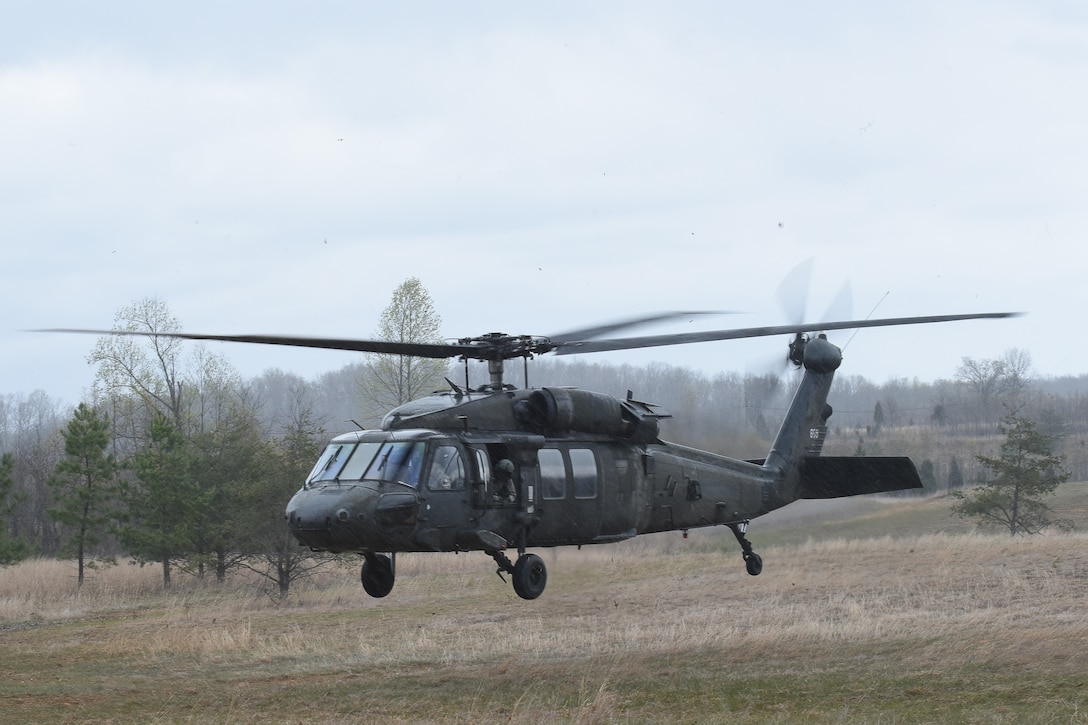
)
(505, 465)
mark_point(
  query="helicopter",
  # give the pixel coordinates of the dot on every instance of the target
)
(498, 468)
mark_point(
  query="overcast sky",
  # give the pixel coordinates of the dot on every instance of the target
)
(274, 167)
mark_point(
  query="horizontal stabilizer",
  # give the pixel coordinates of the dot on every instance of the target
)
(833, 477)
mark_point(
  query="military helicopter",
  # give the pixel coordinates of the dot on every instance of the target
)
(498, 467)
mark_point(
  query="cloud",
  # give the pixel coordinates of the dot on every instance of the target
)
(540, 168)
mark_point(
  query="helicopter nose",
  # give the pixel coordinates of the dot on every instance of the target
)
(321, 518)
(355, 518)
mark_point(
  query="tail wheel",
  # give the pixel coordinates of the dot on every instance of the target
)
(378, 575)
(530, 576)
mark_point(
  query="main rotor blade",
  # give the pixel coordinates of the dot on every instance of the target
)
(505, 347)
(414, 349)
(630, 343)
(591, 332)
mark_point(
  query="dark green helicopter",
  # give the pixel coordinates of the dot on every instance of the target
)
(498, 468)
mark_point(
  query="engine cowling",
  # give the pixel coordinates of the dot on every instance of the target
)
(560, 410)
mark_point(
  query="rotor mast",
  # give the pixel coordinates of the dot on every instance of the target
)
(497, 347)
(494, 370)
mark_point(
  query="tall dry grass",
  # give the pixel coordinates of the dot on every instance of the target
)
(601, 602)
(654, 628)
(860, 618)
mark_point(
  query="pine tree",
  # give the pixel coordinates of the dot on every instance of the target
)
(878, 418)
(928, 475)
(225, 461)
(84, 485)
(955, 475)
(161, 504)
(12, 550)
(1025, 471)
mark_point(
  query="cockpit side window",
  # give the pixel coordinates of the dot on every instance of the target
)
(447, 470)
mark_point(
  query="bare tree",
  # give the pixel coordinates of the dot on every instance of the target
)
(32, 423)
(141, 376)
(992, 382)
(146, 368)
(391, 380)
(214, 390)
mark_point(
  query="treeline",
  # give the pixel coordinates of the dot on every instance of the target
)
(125, 479)
(177, 461)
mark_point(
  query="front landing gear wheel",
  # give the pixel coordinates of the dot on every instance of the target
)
(753, 563)
(378, 575)
(530, 576)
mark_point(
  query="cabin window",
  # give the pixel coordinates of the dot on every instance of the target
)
(360, 459)
(553, 474)
(331, 462)
(583, 465)
(447, 470)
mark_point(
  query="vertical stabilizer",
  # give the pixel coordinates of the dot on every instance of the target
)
(802, 430)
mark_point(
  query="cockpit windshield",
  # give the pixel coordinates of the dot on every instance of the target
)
(398, 461)
(343, 461)
(332, 460)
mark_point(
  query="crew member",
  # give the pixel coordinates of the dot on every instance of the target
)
(504, 480)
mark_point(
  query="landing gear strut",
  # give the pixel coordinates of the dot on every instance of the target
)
(378, 575)
(752, 561)
(529, 574)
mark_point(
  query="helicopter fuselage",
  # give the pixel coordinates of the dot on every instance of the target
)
(569, 490)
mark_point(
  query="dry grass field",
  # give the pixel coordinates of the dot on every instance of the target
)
(892, 613)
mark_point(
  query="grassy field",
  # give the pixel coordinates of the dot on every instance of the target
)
(867, 612)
